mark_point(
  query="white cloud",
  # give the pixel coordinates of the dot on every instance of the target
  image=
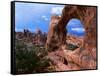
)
(18, 29)
(57, 10)
(44, 18)
(78, 29)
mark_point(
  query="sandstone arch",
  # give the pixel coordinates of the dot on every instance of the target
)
(87, 14)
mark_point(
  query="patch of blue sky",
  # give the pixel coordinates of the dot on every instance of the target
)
(32, 15)
(75, 27)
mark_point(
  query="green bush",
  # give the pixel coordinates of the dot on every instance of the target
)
(29, 59)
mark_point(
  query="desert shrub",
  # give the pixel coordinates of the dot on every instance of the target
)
(29, 59)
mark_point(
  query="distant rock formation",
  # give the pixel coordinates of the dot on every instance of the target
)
(37, 38)
(57, 31)
(27, 33)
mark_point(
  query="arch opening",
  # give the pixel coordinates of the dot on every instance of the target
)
(75, 28)
(75, 34)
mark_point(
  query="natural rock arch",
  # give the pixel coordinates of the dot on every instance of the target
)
(87, 14)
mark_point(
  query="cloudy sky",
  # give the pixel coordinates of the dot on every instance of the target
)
(34, 16)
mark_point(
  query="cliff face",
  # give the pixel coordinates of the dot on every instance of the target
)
(87, 15)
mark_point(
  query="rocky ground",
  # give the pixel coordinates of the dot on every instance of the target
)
(66, 59)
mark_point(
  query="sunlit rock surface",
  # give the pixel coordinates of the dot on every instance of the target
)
(82, 57)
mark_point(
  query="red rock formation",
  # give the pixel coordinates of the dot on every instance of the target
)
(52, 37)
(87, 15)
(83, 57)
